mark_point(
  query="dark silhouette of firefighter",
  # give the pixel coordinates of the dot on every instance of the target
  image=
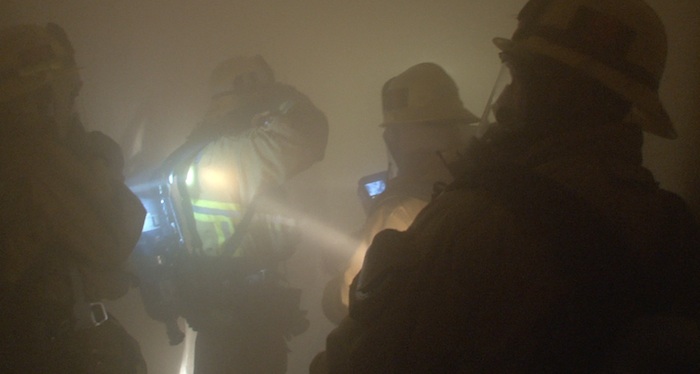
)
(554, 250)
(68, 223)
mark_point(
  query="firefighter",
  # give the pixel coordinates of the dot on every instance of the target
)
(228, 187)
(555, 250)
(67, 224)
(424, 128)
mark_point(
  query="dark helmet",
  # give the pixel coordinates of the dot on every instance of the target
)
(621, 44)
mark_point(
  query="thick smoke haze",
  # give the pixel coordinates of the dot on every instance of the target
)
(146, 62)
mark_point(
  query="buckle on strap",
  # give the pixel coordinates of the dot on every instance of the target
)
(89, 315)
(86, 314)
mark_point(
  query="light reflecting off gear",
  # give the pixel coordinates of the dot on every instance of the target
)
(149, 201)
(213, 178)
(488, 118)
(189, 179)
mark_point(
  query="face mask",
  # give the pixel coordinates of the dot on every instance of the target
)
(496, 103)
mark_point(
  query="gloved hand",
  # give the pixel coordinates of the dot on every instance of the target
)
(233, 114)
(275, 98)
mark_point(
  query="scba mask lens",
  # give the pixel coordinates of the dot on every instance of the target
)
(491, 115)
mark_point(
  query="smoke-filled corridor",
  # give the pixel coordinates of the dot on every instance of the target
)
(145, 65)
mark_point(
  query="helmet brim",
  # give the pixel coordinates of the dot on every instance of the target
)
(647, 109)
(464, 118)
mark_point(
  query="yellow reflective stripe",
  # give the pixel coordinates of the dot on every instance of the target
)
(219, 216)
(211, 204)
(201, 217)
(218, 223)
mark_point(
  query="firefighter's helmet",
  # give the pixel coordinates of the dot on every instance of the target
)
(240, 75)
(621, 44)
(423, 93)
(31, 57)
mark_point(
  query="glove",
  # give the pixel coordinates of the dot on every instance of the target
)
(275, 99)
(233, 114)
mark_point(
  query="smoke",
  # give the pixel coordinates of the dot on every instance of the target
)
(145, 65)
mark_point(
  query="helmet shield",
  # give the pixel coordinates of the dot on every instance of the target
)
(489, 117)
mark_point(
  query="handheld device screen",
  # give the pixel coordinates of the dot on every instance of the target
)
(374, 188)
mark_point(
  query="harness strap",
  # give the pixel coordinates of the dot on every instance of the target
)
(87, 314)
(234, 241)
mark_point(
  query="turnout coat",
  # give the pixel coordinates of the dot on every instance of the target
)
(563, 257)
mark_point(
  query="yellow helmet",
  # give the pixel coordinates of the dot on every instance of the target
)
(423, 93)
(240, 75)
(621, 44)
(32, 56)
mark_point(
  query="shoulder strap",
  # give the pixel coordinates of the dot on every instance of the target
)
(234, 241)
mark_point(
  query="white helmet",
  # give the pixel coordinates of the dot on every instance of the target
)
(32, 56)
(619, 43)
(423, 93)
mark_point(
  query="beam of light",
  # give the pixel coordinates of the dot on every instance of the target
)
(187, 362)
(329, 237)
